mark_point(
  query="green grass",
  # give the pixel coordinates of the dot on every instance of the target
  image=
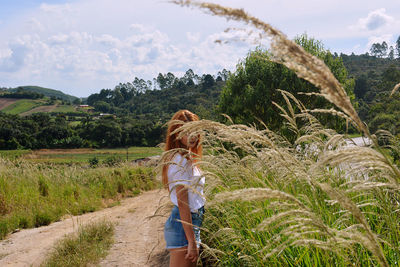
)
(88, 246)
(74, 123)
(80, 156)
(13, 154)
(33, 194)
(21, 106)
(231, 228)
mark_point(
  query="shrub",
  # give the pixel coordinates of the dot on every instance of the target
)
(42, 219)
(93, 162)
(112, 161)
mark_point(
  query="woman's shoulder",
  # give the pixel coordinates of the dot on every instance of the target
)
(179, 158)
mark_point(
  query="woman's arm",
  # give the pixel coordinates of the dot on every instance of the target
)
(186, 217)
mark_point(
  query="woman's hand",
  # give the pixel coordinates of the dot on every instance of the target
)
(192, 252)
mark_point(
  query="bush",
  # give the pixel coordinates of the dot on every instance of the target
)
(93, 162)
(42, 219)
(112, 161)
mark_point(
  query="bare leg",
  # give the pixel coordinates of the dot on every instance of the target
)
(177, 258)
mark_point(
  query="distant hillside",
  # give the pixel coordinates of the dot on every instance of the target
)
(46, 91)
(358, 65)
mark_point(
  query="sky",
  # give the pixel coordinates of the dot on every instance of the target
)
(83, 46)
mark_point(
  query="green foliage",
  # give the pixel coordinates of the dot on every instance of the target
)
(250, 92)
(42, 219)
(112, 161)
(93, 162)
(21, 93)
(56, 94)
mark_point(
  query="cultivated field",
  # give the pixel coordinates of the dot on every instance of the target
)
(5, 102)
(22, 105)
(48, 108)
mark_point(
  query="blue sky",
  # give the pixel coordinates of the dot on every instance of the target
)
(82, 46)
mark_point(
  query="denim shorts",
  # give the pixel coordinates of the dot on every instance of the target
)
(173, 230)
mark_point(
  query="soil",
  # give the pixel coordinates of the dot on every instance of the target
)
(138, 234)
(5, 102)
(49, 108)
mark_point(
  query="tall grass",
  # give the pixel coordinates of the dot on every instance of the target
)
(84, 248)
(312, 202)
(32, 195)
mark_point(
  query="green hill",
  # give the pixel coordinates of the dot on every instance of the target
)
(46, 91)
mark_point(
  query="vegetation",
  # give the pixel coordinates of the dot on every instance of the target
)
(86, 247)
(21, 106)
(50, 93)
(311, 201)
(21, 93)
(251, 91)
(33, 194)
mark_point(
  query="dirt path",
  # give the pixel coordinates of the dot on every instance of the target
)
(138, 234)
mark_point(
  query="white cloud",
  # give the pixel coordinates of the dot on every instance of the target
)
(56, 8)
(87, 45)
(193, 36)
(375, 20)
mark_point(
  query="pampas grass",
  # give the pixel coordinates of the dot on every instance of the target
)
(396, 87)
(316, 201)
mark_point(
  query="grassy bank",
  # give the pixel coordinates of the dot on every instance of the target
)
(88, 246)
(33, 194)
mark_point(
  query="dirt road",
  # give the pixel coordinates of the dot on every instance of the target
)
(138, 234)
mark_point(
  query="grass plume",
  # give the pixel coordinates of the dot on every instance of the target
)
(316, 201)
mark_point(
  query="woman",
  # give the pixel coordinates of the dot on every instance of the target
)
(185, 183)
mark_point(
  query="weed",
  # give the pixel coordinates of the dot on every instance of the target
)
(112, 161)
(43, 187)
(93, 162)
(85, 248)
(42, 218)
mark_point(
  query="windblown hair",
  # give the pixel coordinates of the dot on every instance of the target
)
(174, 142)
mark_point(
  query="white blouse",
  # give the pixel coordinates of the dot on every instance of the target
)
(182, 172)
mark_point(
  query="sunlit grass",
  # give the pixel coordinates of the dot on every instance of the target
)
(33, 194)
(88, 246)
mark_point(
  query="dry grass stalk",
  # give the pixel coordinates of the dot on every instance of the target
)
(267, 154)
(397, 86)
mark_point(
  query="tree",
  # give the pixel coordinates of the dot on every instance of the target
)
(398, 47)
(251, 90)
(375, 49)
(384, 49)
(361, 86)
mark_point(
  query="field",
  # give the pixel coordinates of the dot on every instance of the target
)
(34, 194)
(64, 108)
(46, 108)
(80, 156)
(21, 106)
(4, 102)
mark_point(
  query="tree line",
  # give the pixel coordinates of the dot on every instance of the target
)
(140, 109)
(383, 50)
